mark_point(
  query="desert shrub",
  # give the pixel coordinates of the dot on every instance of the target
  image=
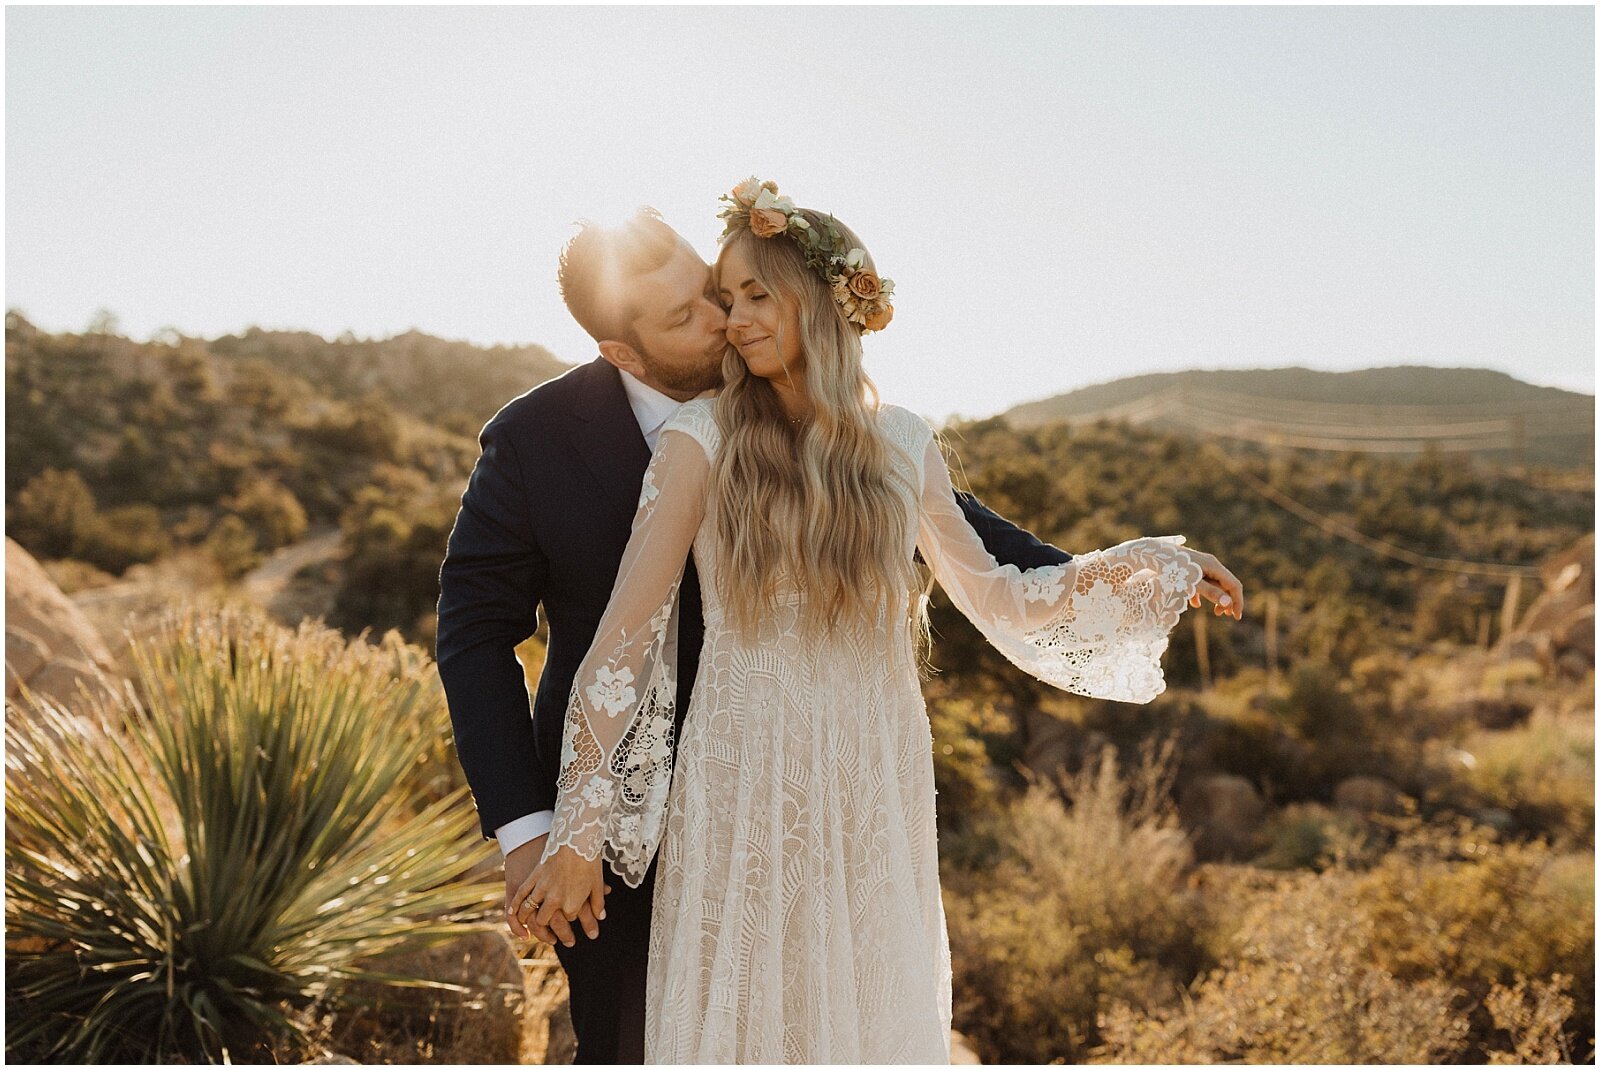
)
(1450, 946)
(1534, 1020)
(1310, 836)
(126, 535)
(270, 510)
(232, 545)
(1087, 904)
(54, 515)
(186, 871)
(395, 534)
(1457, 902)
(1542, 772)
(1344, 731)
(968, 794)
(367, 428)
(1298, 987)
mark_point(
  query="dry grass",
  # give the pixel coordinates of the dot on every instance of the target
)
(1086, 905)
(483, 1024)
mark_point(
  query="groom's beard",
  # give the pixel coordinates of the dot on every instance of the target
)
(697, 380)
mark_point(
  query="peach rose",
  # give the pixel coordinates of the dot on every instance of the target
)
(879, 318)
(864, 284)
(768, 222)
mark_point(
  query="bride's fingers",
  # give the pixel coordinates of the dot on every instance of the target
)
(1224, 601)
(1230, 586)
(597, 899)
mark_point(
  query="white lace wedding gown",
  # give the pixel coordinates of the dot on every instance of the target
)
(797, 915)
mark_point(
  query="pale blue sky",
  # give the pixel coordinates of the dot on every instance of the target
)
(1064, 196)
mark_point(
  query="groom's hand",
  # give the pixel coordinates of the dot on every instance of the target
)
(520, 864)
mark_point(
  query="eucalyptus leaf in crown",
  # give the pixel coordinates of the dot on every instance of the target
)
(856, 288)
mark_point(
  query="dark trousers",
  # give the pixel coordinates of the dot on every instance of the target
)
(606, 976)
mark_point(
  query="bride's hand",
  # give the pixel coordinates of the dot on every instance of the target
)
(565, 886)
(1219, 585)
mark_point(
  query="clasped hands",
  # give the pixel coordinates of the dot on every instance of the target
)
(544, 898)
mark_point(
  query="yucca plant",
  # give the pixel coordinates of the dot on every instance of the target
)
(190, 866)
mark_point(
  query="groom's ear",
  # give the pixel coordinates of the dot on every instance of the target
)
(624, 357)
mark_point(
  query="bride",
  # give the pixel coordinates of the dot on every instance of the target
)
(797, 915)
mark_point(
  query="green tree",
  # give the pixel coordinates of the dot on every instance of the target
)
(232, 545)
(54, 515)
(270, 510)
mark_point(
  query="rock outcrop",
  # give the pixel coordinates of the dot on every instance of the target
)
(51, 648)
(1558, 629)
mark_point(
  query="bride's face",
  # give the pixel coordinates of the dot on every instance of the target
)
(764, 327)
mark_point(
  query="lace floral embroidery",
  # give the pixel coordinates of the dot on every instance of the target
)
(1043, 584)
(610, 690)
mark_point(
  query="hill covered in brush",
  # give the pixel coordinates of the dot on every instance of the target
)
(1398, 410)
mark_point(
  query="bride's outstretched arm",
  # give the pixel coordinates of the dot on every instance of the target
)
(617, 745)
(1096, 625)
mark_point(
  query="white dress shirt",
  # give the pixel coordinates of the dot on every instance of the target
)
(652, 409)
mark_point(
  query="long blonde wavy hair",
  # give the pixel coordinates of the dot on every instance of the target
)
(815, 506)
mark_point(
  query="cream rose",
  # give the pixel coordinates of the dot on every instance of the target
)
(747, 191)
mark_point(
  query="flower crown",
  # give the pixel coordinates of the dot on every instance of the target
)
(864, 297)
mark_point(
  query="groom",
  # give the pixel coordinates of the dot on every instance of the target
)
(543, 524)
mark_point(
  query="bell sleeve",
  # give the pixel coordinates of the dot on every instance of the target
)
(617, 739)
(1096, 625)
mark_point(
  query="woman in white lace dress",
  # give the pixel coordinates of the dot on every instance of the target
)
(797, 914)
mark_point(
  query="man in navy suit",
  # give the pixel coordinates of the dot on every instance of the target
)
(543, 524)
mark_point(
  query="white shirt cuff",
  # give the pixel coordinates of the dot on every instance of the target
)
(514, 834)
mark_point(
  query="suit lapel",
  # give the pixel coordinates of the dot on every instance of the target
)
(607, 435)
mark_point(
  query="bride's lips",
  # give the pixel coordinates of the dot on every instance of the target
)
(748, 342)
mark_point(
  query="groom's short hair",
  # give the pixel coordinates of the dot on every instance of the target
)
(598, 263)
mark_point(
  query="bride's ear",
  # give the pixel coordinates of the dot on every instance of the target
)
(624, 357)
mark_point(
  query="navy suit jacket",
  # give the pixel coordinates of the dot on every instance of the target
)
(543, 523)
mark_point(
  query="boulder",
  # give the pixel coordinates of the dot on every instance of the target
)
(51, 648)
(961, 1053)
(1489, 711)
(1223, 814)
(1367, 795)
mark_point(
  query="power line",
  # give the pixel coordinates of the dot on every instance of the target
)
(1339, 529)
